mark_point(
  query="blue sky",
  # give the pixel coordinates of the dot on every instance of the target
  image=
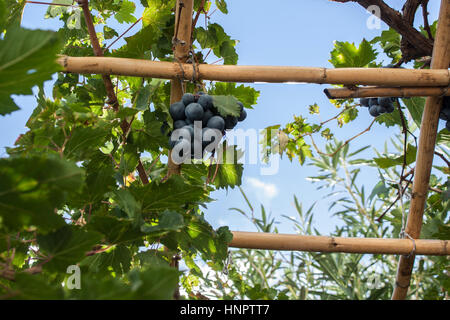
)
(288, 32)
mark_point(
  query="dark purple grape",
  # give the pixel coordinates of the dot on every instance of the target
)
(177, 111)
(373, 102)
(206, 101)
(230, 122)
(381, 109)
(206, 116)
(188, 98)
(384, 101)
(364, 102)
(216, 122)
(243, 115)
(194, 111)
(373, 110)
(179, 124)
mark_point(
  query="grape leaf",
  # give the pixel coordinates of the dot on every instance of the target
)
(32, 188)
(66, 246)
(384, 163)
(168, 221)
(245, 94)
(27, 58)
(347, 55)
(170, 195)
(227, 105)
(415, 107)
(125, 13)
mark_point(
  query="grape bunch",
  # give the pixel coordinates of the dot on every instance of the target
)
(378, 106)
(445, 112)
(198, 125)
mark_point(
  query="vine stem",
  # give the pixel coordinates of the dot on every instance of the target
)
(344, 144)
(51, 3)
(112, 98)
(124, 33)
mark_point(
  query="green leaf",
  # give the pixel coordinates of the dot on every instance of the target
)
(226, 105)
(118, 258)
(247, 95)
(228, 52)
(170, 195)
(31, 189)
(27, 58)
(66, 246)
(35, 287)
(151, 283)
(109, 33)
(379, 189)
(115, 230)
(347, 55)
(385, 163)
(415, 107)
(229, 172)
(129, 205)
(125, 14)
(222, 6)
(390, 42)
(12, 13)
(84, 141)
(168, 221)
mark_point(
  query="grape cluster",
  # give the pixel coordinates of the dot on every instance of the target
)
(378, 106)
(445, 112)
(197, 122)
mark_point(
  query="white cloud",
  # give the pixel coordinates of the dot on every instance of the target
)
(269, 190)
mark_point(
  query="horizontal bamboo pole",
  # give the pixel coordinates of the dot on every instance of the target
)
(366, 92)
(275, 74)
(271, 241)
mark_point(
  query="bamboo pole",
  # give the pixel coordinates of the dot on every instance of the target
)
(274, 74)
(182, 46)
(270, 241)
(425, 153)
(366, 92)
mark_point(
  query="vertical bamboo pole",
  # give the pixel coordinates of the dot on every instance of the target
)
(424, 161)
(182, 45)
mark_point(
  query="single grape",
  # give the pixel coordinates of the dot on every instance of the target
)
(390, 108)
(206, 101)
(216, 122)
(243, 115)
(364, 102)
(384, 101)
(373, 110)
(188, 98)
(194, 111)
(230, 122)
(206, 116)
(373, 102)
(179, 124)
(177, 111)
(381, 109)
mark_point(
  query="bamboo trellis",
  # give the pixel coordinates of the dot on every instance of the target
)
(432, 83)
